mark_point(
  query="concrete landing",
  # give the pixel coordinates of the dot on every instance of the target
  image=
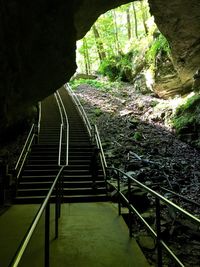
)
(90, 235)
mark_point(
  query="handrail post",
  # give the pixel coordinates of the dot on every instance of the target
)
(129, 210)
(56, 210)
(60, 183)
(47, 233)
(158, 231)
(118, 188)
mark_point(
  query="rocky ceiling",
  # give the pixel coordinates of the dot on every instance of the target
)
(38, 42)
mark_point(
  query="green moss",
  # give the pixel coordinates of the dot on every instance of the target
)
(187, 116)
(137, 136)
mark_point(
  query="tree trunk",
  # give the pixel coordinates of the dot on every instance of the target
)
(99, 43)
(144, 17)
(128, 23)
(86, 57)
(117, 45)
(135, 20)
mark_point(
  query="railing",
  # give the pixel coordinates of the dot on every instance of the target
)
(158, 198)
(39, 120)
(64, 124)
(44, 207)
(24, 153)
(80, 108)
(92, 132)
(102, 156)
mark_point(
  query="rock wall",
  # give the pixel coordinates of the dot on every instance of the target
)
(38, 42)
(179, 21)
(37, 49)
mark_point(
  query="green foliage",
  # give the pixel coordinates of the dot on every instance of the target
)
(112, 46)
(108, 68)
(100, 85)
(159, 45)
(117, 67)
(137, 136)
(98, 112)
(187, 116)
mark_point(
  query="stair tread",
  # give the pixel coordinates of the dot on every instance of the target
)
(42, 164)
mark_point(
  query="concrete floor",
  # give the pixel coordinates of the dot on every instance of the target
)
(90, 235)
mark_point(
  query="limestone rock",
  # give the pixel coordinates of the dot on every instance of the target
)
(179, 21)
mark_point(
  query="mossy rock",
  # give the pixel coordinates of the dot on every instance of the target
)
(187, 121)
(187, 116)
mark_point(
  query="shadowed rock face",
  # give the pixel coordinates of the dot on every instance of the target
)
(38, 42)
(37, 49)
(179, 21)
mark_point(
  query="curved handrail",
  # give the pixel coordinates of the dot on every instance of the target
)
(39, 117)
(158, 198)
(67, 130)
(28, 235)
(99, 145)
(22, 158)
(80, 108)
(59, 107)
(61, 129)
(89, 127)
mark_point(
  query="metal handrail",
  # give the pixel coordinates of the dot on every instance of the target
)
(60, 144)
(59, 107)
(99, 145)
(80, 108)
(39, 118)
(22, 158)
(181, 196)
(62, 110)
(44, 206)
(61, 129)
(159, 198)
(89, 127)
(67, 129)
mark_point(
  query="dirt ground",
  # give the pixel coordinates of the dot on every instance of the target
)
(138, 125)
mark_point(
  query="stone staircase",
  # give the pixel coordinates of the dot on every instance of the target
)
(42, 165)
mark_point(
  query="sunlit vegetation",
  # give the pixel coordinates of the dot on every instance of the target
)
(123, 43)
(102, 85)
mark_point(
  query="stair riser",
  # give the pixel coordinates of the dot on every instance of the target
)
(74, 192)
(37, 185)
(66, 199)
(55, 168)
(42, 164)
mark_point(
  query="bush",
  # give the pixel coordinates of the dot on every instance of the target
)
(159, 45)
(117, 67)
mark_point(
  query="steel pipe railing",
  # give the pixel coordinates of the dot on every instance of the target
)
(159, 198)
(39, 120)
(99, 145)
(24, 153)
(95, 133)
(66, 124)
(45, 206)
(64, 127)
(80, 108)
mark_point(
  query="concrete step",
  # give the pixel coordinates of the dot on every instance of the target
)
(65, 199)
